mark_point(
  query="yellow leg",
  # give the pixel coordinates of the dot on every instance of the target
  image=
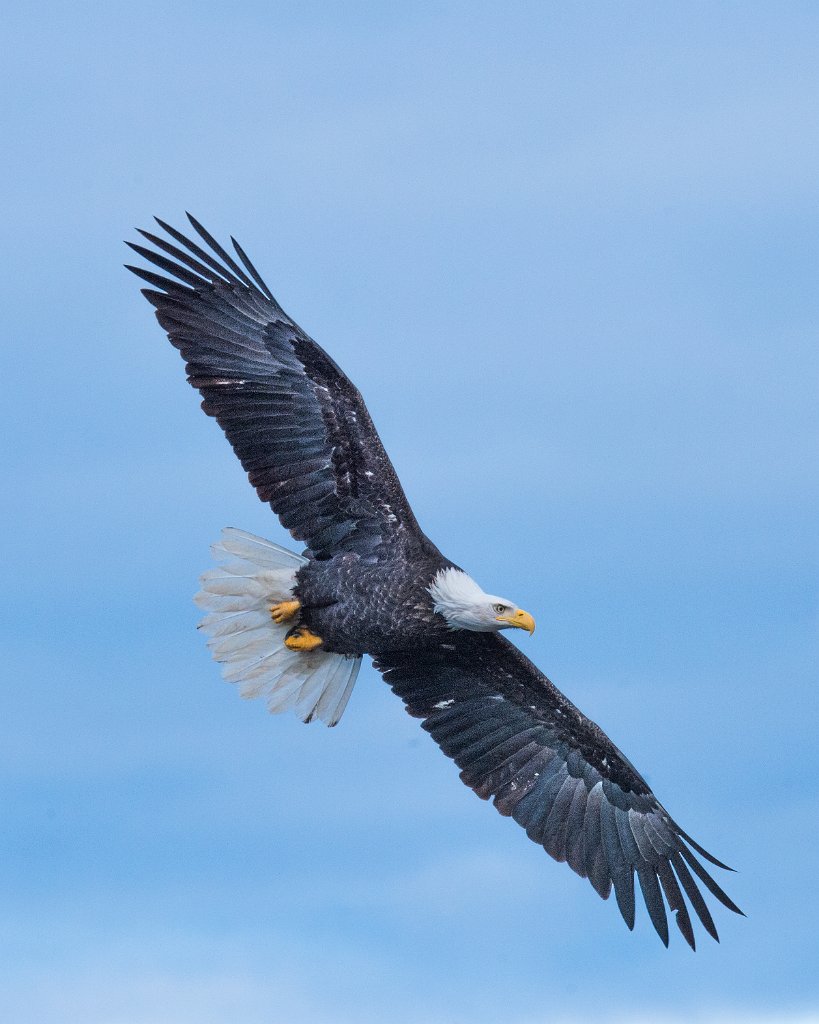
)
(284, 610)
(301, 639)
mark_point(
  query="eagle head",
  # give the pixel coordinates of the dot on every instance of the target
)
(464, 605)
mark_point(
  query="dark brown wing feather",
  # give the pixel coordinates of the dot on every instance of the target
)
(518, 740)
(298, 425)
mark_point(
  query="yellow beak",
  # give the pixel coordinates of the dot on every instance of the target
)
(520, 620)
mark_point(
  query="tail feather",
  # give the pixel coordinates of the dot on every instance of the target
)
(255, 550)
(247, 644)
(255, 573)
(218, 624)
(232, 586)
(333, 700)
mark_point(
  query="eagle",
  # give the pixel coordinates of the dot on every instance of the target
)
(293, 628)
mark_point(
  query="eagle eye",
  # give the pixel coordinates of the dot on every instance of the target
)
(500, 608)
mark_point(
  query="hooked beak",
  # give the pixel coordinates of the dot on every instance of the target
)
(520, 620)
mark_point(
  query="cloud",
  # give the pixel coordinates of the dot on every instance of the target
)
(177, 996)
(694, 1017)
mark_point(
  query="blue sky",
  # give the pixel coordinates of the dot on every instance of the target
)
(569, 255)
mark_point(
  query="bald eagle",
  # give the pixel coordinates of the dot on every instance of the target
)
(293, 628)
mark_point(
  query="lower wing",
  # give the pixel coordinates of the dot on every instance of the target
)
(519, 741)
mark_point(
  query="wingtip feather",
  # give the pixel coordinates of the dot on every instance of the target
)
(714, 888)
(220, 251)
(701, 851)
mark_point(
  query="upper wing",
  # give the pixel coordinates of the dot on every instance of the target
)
(517, 739)
(298, 425)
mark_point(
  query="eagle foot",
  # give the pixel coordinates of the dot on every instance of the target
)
(302, 639)
(284, 610)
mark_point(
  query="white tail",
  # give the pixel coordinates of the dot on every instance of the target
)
(255, 574)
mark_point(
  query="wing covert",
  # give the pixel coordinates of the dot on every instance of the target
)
(522, 743)
(298, 425)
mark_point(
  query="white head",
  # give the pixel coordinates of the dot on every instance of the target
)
(465, 606)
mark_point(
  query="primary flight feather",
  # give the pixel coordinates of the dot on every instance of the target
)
(293, 628)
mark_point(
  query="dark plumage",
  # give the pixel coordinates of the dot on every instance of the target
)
(306, 440)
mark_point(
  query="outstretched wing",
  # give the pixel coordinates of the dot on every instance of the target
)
(298, 425)
(517, 739)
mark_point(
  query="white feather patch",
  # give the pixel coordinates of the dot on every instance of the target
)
(455, 594)
(237, 595)
(454, 586)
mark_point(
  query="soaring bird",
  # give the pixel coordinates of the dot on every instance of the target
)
(293, 628)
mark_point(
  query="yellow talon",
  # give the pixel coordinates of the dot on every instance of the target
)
(301, 639)
(284, 610)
